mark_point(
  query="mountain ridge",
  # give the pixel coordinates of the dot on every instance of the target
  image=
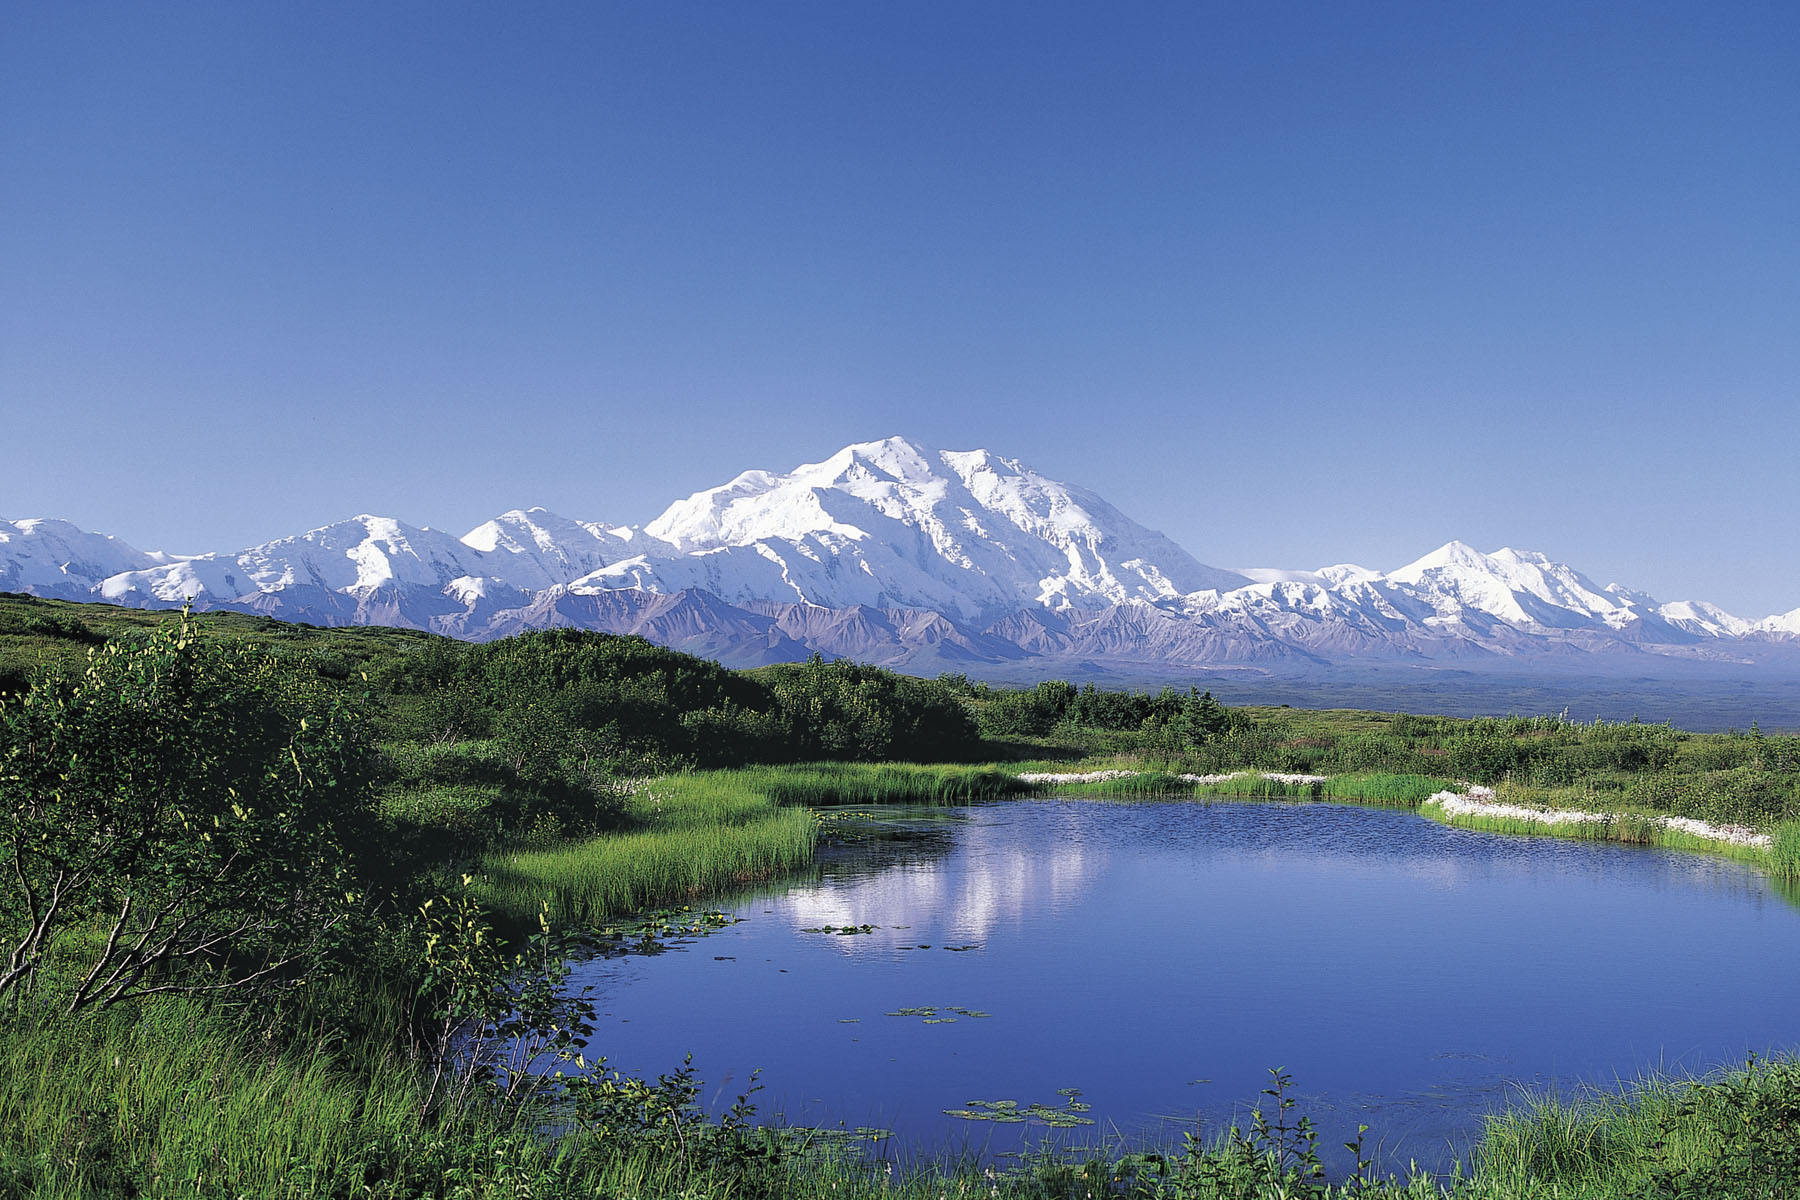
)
(898, 553)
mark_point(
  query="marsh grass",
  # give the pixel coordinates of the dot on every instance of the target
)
(1784, 854)
(691, 835)
(170, 1095)
(177, 1100)
(831, 785)
(1400, 790)
(686, 835)
(1627, 828)
(1394, 790)
(1733, 1133)
(1149, 784)
(1255, 786)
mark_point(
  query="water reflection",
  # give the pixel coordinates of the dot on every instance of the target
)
(1160, 957)
(992, 880)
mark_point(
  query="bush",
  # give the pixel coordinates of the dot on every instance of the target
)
(200, 805)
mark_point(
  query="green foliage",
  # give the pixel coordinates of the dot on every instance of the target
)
(1277, 1156)
(624, 706)
(840, 710)
(199, 805)
(1753, 1119)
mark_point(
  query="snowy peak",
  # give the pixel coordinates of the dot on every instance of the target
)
(535, 548)
(1452, 555)
(1782, 624)
(1328, 577)
(57, 558)
(1521, 587)
(892, 476)
(891, 548)
(352, 558)
(892, 523)
(1697, 616)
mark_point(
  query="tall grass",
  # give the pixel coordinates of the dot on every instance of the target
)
(1259, 787)
(171, 1094)
(1152, 784)
(687, 835)
(1784, 854)
(1407, 791)
(1732, 1134)
(1629, 828)
(825, 785)
(692, 834)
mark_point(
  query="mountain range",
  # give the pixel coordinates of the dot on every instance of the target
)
(920, 559)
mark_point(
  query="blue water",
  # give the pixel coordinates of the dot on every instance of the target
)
(1161, 957)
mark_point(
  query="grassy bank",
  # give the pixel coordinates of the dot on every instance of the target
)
(1407, 791)
(176, 1099)
(687, 835)
(1517, 810)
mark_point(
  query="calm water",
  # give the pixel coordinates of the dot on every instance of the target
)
(1161, 957)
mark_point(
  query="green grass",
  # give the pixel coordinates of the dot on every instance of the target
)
(687, 835)
(38, 634)
(1406, 791)
(170, 1095)
(1731, 1134)
(828, 785)
(1152, 784)
(691, 834)
(1784, 855)
(1626, 827)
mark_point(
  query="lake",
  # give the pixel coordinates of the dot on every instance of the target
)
(1159, 958)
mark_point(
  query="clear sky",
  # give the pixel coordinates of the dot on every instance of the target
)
(1296, 283)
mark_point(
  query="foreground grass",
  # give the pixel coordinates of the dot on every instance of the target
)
(172, 1098)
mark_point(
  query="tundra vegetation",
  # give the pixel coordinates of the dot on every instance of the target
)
(284, 911)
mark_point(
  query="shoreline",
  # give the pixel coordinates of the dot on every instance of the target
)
(1476, 807)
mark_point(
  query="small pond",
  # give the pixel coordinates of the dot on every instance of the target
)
(1159, 958)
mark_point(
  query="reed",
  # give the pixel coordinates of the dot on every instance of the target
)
(687, 835)
(1629, 828)
(1403, 790)
(829, 785)
(1784, 853)
(1157, 784)
(587, 882)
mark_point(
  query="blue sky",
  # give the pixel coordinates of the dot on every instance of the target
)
(1295, 283)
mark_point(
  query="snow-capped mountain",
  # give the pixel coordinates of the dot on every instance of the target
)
(892, 552)
(55, 558)
(893, 525)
